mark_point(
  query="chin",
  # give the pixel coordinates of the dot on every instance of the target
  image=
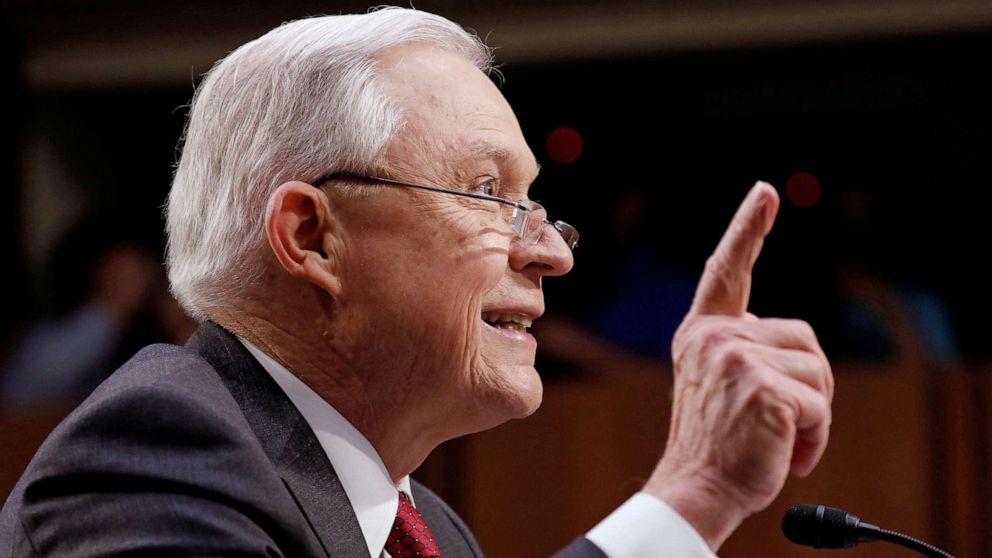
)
(530, 396)
(516, 395)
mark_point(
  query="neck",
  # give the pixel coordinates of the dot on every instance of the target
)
(398, 426)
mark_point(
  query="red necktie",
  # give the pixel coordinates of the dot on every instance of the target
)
(410, 537)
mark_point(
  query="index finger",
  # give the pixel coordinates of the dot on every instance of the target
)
(726, 282)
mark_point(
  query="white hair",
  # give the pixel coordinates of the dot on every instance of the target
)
(300, 102)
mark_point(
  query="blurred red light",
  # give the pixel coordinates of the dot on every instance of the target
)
(803, 190)
(564, 145)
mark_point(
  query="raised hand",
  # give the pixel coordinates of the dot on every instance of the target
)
(752, 396)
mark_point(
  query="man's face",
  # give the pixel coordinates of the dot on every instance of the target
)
(437, 285)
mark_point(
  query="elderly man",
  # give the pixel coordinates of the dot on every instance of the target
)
(350, 222)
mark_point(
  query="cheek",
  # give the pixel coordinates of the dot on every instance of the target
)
(430, 294)
(471, 253)
(472, 271)
(418, 287)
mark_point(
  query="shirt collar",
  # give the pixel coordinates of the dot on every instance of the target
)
(361, 471)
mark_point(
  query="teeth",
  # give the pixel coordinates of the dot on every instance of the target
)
(503, 320)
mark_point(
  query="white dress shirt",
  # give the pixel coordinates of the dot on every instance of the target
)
(361, 471)
(642, 526)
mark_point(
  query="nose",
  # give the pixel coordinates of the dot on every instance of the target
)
(548, 256)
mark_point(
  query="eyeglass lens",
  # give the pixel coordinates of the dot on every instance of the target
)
(530, 227)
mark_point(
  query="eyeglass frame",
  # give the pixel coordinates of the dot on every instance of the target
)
(559, 226)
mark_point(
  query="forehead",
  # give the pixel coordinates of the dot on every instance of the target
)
(453, 112)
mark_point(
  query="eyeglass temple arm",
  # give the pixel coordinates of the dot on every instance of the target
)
(567, 232)
(339, 176)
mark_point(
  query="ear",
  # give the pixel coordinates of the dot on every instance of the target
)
(299, 226)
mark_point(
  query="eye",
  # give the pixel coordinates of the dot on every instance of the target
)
(486, 185)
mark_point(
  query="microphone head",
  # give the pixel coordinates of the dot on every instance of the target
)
(820, 526)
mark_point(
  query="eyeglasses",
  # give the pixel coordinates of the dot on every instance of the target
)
(525, 217)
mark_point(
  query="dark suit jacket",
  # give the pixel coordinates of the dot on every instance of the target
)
(196, 451)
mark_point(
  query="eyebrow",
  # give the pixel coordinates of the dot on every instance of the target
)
(490, 151)
(497, 153)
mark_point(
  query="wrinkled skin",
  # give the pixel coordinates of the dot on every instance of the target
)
(403, 351)
(381, 297)
(430, 264)
(752, 396)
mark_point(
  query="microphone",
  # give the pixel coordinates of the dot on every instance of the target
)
(825, 527)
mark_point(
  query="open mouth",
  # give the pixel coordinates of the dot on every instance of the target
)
(507, 321)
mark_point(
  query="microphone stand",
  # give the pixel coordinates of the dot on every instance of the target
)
(910, 542)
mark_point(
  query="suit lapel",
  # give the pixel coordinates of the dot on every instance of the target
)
(288, 441)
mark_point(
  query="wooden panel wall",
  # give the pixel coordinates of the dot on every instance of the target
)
(910, 449)
(905, 453)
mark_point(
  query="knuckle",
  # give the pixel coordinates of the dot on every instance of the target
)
(806, 335)
(711, 336)
(804, 329)
(783, 414)
(763, 382)
(703, 337)
(776, 409)
(719, 268)
(685, 331)
(733, 356)
(829, 380)
(715, 263)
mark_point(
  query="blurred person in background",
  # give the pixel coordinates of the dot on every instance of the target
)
(350, 223)
(109, 298)
(631, 323)
(881, 318)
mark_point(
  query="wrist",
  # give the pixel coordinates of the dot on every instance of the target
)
(712, 510)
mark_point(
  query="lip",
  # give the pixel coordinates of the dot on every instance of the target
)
(512, 335)
(532, 312)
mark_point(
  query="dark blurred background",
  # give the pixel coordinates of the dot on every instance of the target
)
(651, 120)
